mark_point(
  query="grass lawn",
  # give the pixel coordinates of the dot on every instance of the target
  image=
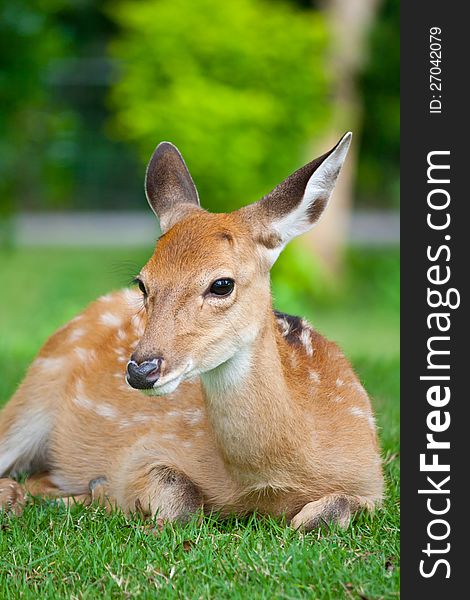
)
(54, 552)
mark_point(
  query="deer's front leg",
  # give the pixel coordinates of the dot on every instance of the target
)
(331, 509)
(12, 496)
(153, 489)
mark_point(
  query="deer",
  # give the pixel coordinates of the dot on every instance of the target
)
(188, 392)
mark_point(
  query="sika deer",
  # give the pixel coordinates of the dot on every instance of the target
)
(260, 412)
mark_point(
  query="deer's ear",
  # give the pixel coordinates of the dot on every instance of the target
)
(169, 187)
(296, 204)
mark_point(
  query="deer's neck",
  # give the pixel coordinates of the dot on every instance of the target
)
(249, 404)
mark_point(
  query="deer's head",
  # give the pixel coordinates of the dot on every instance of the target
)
(206, 287)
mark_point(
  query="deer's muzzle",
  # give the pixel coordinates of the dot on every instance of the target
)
(142, 376)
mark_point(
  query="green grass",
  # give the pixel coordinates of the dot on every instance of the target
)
(54, 552)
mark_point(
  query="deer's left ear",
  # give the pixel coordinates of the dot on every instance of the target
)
(169, 187)
(296, 204)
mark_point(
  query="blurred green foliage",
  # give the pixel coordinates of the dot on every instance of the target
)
(31, 127)
(54, 76)
(239, 87)
(379, 160)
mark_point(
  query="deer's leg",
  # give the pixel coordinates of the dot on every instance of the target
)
(331, 509)
(12, 496)
(169, 493)
(41, 485)
(152, 489)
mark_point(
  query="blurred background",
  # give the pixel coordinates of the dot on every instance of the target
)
(249, 91)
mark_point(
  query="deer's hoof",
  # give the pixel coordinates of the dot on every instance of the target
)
(12, 497)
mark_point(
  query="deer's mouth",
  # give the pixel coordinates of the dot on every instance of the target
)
(143, 375)
(169, 382)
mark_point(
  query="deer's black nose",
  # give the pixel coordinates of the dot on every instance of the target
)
(143, 376)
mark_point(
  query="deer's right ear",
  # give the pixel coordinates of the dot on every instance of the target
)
(169, 187)
(296, 204)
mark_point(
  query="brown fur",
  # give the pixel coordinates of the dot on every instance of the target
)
(268, 415)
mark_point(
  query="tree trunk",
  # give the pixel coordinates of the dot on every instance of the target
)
(349, 25)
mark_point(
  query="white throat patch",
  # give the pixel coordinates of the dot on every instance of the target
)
(229, 375)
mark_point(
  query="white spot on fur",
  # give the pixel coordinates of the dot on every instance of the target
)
(284, 326)
(50, 363)
(187, 444)
(293, 360)
(110, 319)
(169, 436)
(143, 418)
(121, 334)
(83, 401)
(106, 410)
(106, 298)
(358, 412)
(80, 397)
(365, 414)
(81, 353)
(359, 388)
(314, 376)
(306, 339)
(76, 334)
(337, 398)
(173, 413)
(193, 416)
(339, 382)
(102, 410)
(136, 420)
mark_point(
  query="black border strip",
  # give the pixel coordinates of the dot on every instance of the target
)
(423, 132)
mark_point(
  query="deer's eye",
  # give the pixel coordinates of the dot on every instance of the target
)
(222, 287)
(141, 285)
